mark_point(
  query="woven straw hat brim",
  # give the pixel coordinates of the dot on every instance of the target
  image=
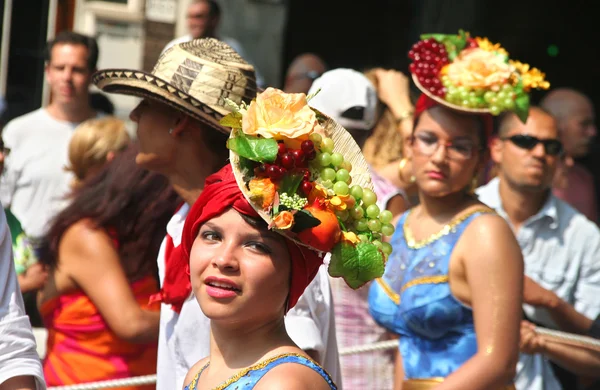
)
(344, 144)
(447, 103)
(147, 85)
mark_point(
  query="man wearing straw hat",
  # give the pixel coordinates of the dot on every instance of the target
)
(180, 136)
(560, 245)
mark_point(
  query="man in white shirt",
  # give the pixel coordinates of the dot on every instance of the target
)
(203, 17)
(561, 247)
(186, 143)
(34, 181)
(20, 367)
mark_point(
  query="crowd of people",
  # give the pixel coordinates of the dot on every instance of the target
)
(171, 251)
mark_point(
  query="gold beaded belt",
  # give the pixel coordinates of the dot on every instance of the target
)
(430, 383)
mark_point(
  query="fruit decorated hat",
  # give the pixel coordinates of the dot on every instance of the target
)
(305, 175)
(472, 74)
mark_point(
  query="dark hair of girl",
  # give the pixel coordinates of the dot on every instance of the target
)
(131, 204)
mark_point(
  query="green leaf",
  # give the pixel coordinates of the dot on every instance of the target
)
(233, 120)
(253, 148)
(303, 220)
(290, 183)
(522, 107)
(356, 264)
(312, 95)
(247, 168)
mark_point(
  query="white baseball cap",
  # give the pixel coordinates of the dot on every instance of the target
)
(347, 96)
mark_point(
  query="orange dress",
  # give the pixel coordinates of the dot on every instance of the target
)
(81, 347)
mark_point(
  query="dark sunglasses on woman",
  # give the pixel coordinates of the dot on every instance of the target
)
(552, 146)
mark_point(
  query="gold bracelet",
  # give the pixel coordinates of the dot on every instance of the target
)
(405, 115)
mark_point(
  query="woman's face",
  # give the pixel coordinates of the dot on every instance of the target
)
(239, 273)
(446, 151)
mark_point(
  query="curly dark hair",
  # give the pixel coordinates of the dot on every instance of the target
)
(130, 203)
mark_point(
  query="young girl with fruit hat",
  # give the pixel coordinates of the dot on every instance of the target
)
(452, 287)
(259, 231)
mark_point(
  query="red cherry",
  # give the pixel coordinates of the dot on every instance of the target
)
(306, 175)
(307, 187)
(311, 156)
(281, 148)
(274, 172)
(412, 67)
(307, 146)
(298, 156)
(287, 161)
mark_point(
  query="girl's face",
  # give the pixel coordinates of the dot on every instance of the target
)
(446, 151)
(239, 272)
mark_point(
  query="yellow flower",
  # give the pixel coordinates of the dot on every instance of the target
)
(262, 190)
(478, 68)
(350, 237)
(486, 45)
(531, 77)
(279, 115)
(283, 221)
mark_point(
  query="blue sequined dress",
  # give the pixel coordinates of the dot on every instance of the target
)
(413, 299)
(249, 377)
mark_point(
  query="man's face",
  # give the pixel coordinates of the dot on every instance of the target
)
(68, 74)
(579, 129)
(156, 146)
(200, 23)
(529, 166)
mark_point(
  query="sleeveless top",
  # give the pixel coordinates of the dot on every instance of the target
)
(249, 377)
(413, 299)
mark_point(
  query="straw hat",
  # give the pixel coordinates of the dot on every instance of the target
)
(306, 177)
(473, 75)
(344, 144)
(194, 77)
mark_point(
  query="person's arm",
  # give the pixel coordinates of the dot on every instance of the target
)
(33, 278)
(493, 266)
(587, 288)
(578, 360)
(563, 314)
(20, 366)
(19, 383)
(398, 371)
(394, 91)
(88, 257)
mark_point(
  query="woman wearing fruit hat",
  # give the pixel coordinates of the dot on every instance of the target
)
(452, 286)
(257, 235)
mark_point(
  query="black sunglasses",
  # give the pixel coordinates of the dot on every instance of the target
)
(552, 147)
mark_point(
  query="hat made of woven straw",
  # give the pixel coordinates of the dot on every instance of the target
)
(194, 77)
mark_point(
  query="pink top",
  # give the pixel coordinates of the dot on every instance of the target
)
(580, 192)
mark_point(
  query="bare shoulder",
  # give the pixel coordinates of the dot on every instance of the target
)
(489, 224)
(193, 371)
(489, 240)
(83, 235)
(294, 376)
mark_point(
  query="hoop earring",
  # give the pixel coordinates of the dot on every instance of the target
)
(401, 166)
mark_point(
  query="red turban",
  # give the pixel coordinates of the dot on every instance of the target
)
(220, 193)
(425, 102)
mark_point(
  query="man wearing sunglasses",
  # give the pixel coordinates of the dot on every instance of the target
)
(561, 247)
